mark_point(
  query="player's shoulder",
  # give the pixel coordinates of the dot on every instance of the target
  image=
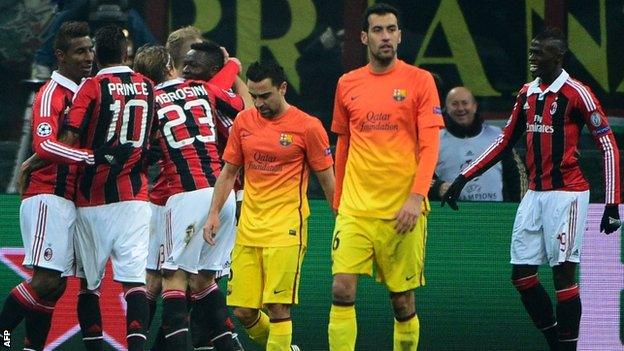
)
(353, 76)
(404, 68)
(576, 87)
(305, 119)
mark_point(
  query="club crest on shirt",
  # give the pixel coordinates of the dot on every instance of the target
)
(553, 108)
(399, 94)
(286, 139)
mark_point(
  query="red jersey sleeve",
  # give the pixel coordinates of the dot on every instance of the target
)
(598, 126)
(340, 121)
(318, 152)
(47, 119)
(86, 95)
(515, 128)
(233, 152)
(225, 78)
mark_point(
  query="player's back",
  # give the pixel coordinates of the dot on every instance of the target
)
(188, 138)
(116, 105)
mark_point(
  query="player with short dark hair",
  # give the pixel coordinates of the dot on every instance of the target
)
(387, 117)
(47, 212)
(277, 144)
(115, 106)
(550, 221)
(191, 164)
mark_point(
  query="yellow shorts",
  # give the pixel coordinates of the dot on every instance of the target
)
(399, 258)
(264, 275)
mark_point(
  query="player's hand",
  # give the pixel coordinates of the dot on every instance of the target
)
(452, 194)
(112, 154)
(211, 227)
(24, 177)
(610, 219)
(409, 213)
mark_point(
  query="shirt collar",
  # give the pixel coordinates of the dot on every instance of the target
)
(169, 83)
(115, 69)
(64, 81)
(534, 86)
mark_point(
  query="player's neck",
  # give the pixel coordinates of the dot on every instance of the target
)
(547, 79)
(382, 66)
(281, 113)
(69, 76)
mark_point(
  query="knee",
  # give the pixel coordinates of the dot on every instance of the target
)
(343, 290)
(278, 311)
(246, 316)
(403, 304)
(48, 285)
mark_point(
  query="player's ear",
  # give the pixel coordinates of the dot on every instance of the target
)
(283, 87)
(60, 55)
(364, 37)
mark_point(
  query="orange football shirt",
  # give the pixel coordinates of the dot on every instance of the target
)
(277, 156)
(382, 114)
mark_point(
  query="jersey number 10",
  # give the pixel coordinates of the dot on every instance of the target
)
(125, 135)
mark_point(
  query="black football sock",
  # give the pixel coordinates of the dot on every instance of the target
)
(213, 316)
(539, 307)
(568, 317)
(137, 318)
(175, 319)
(16, 305)
(90, 319)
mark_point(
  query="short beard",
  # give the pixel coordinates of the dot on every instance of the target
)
(383, 60)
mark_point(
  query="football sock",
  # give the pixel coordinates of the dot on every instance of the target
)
(406, 333)
(16, 305)
(38, 322)
(539, 307)
(342, 327)
(90, 319)
(210, 313)
(280, 334)
(137, 318)
(175, 319)
(568, 317)
(259, 330)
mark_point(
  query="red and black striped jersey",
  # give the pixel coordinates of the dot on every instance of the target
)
(187, 131)
(552, 119)
(116, 104)
(48, 117)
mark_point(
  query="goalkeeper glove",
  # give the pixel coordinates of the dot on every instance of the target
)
(452, 194)
(610, 219)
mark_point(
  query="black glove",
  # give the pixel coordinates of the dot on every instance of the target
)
(452, 194)
(610, 219)
(152, 155)
(112, 155)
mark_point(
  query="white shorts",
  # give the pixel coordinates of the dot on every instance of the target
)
(119, 231)
(156, 248)
(47, 224)
(218, 258)
(185, 248)
(549, 227)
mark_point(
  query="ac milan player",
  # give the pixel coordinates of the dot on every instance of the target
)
(113, 212)
(190, 161)
(47, 212)
(550, 221)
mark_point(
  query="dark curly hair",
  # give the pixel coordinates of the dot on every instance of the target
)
(259, 71)
(111, 45)
(67, 32)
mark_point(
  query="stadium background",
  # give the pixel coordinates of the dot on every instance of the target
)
(468, 303)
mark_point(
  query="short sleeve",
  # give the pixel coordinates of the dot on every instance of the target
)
(233, 152)
(318, 152)
(429, 113)
(340, 121)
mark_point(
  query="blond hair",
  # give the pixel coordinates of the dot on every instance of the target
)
(153, 61)
(179, 43)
